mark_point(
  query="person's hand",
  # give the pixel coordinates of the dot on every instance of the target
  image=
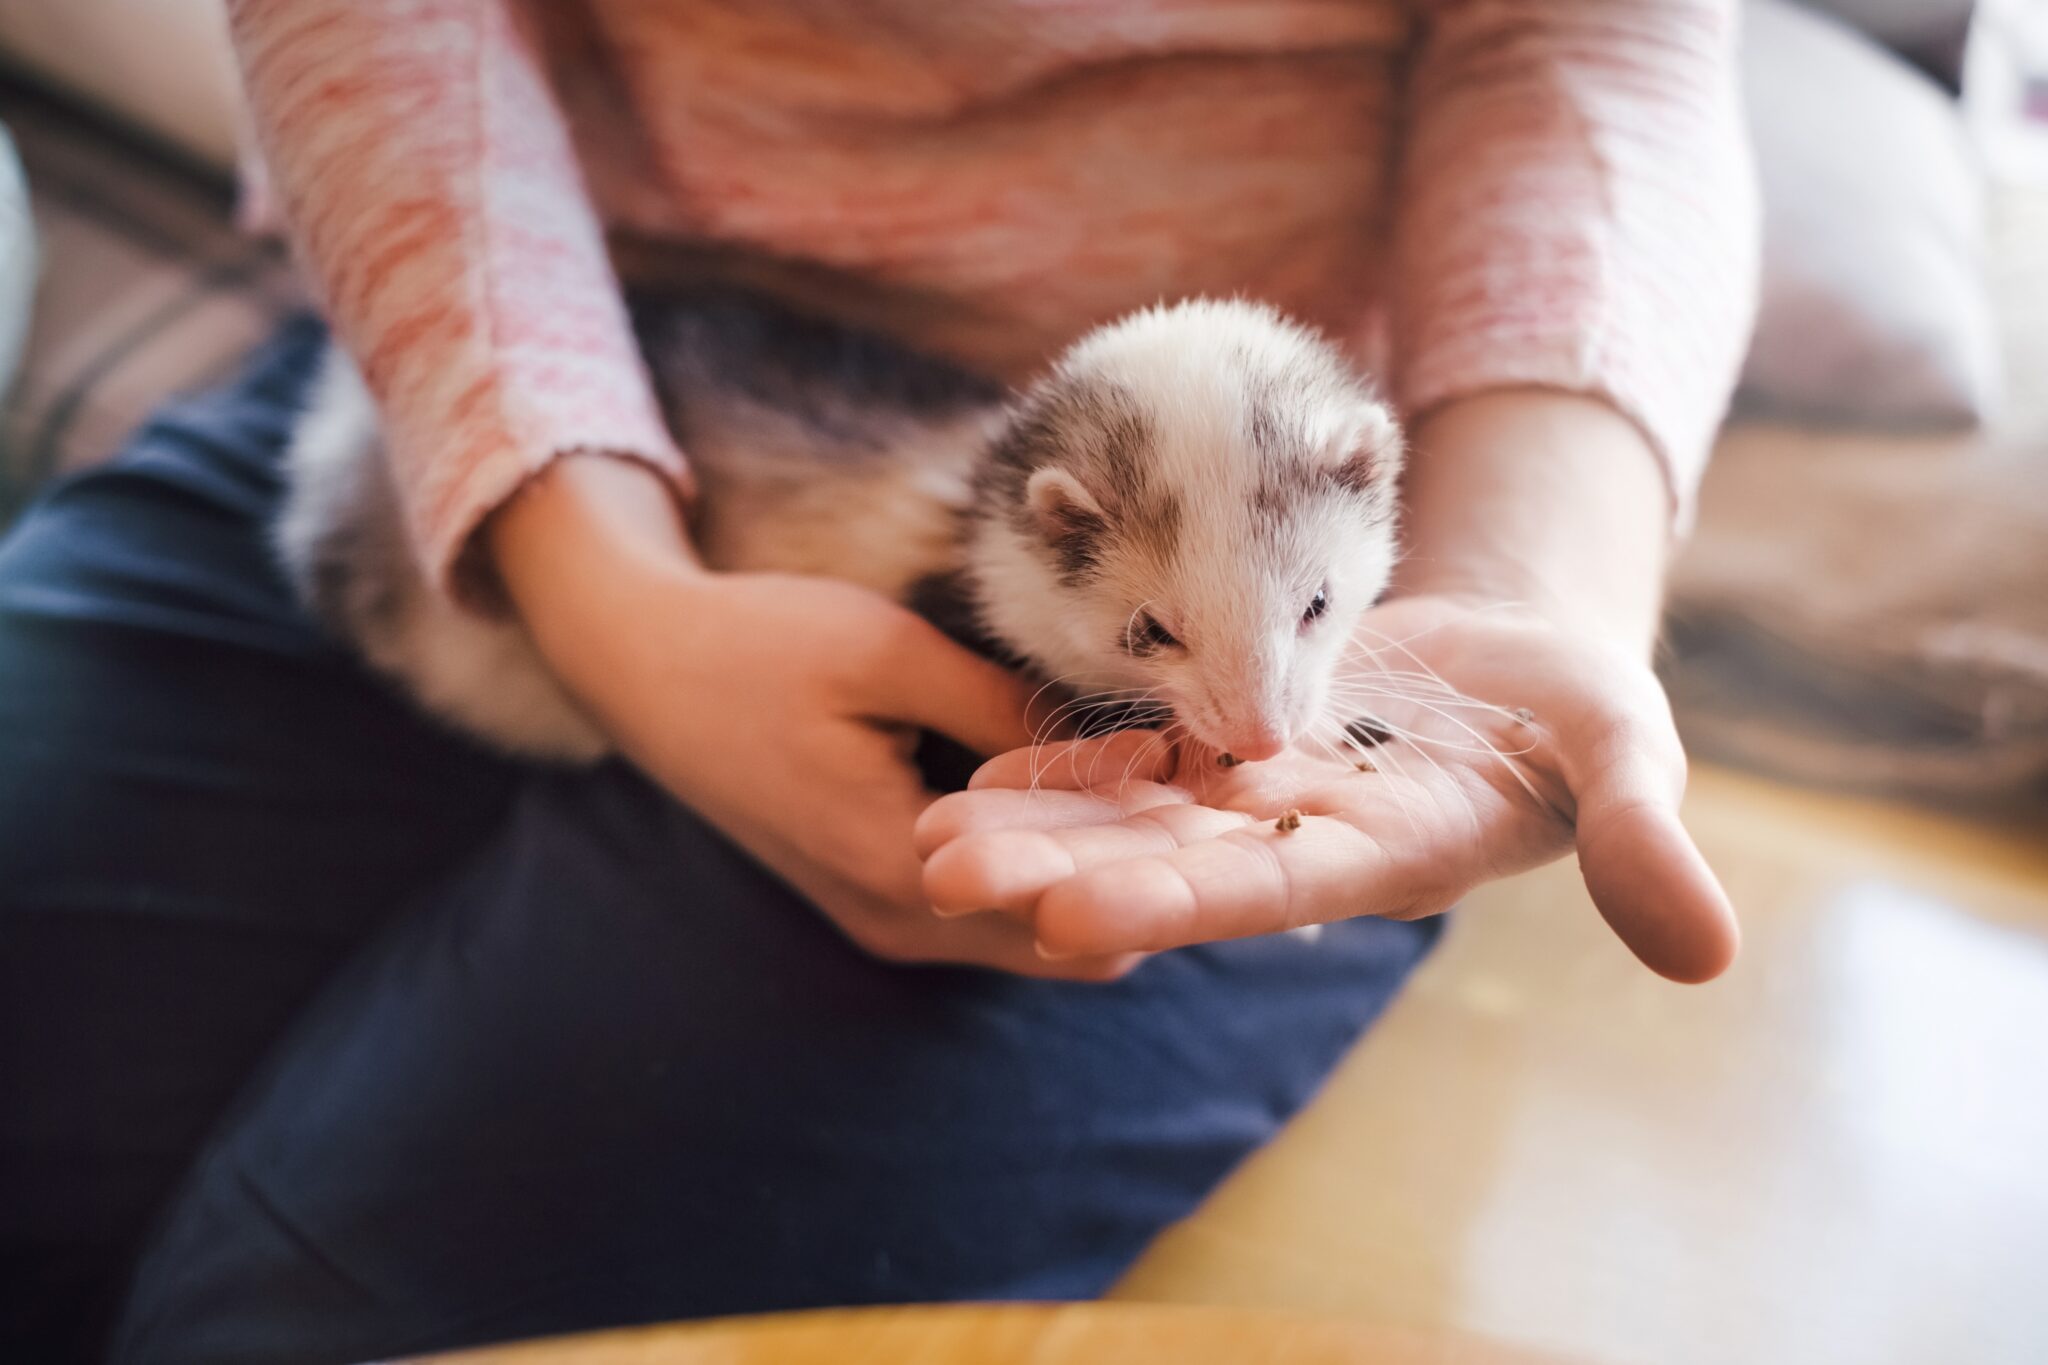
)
(1510, 742)
(1530, 496)
(781, 709)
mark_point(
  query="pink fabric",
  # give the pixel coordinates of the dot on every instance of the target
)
(1516, 191)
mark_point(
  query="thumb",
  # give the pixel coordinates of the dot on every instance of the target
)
(1646, 876)
(925, 679)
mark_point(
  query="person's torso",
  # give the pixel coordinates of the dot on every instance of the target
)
(989, 179)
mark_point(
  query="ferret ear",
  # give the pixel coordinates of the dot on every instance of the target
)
(1068, 515)
(1062, 503)
(1373, 456)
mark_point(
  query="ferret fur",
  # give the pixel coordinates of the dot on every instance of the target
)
(1210, 453)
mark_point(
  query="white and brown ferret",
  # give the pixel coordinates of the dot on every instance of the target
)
(1188, 511)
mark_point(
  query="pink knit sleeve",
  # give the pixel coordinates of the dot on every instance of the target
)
(429, 185)
(1577, 211)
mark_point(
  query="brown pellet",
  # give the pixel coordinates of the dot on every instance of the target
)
(1288, 822)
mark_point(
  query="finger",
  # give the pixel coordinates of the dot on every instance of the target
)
(1006, 945)
(914, 936)
(1005, 808)
(919, 938)
(1643, 870)
(862, 872)
(1104, 760)
(1255, 879)
(927, 680)
(1044, 966)
(1009, 869)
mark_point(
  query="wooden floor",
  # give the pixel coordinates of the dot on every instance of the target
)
(1837, 1153)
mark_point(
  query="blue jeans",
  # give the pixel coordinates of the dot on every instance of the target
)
(325, 1035)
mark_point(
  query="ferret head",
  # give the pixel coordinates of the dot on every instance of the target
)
(1193, 508)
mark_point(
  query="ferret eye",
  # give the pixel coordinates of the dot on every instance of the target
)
(1150, 635)
(1317, 605)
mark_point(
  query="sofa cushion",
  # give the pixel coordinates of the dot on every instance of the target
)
(146, 289)
(1874, 304)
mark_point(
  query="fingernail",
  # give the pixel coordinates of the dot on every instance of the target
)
(956, 914)
(1048, 954)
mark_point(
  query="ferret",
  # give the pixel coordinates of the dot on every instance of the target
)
(1188, 512)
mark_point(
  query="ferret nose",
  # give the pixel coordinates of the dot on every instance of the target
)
(1254, 742)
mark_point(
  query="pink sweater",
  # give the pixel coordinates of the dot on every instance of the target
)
(1473, 193)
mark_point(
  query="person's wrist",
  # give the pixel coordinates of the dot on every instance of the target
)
(1548, 499)
(585, 550)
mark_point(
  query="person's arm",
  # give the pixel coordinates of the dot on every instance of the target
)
(1575, 255)
(1577, 251)
(1577, 212)
(428, 183)
(1554, 501)
(1548, 499)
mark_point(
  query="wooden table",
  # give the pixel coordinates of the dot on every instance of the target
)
(1007, 1334)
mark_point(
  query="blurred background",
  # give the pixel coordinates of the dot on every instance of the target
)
(1833, 1154)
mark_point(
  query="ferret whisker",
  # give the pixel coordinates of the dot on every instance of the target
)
(1048, 685)
(1119, 696)
(1400, 732)
(1041, 690)
(1406, 677)
(1081, 699)
(1377, 755)
(1506, 604)
(1370, 689)
(1385, 760)
(1327, 746)
(1363, 691)
(1101, 698)
(1052, 718)
(1144, 752)
(1489, 748)
(1389, 728)
(1364, 688)
(1390, 677)
(1425, 673)
(1138, 756)
(1402, 644)
(1124, 779)
(1483, 745)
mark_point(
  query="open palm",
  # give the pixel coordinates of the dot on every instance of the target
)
(1494, 742)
